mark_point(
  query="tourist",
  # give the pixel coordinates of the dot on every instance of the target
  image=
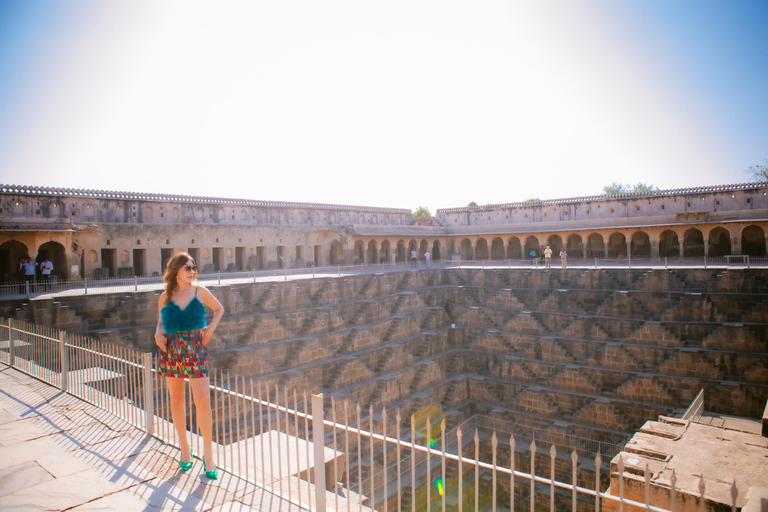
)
(414, 258)
(30, 269)
(563, 257)
(183, 336)
(547, 257)
(532, 254)
(45, 269)
(427, 259)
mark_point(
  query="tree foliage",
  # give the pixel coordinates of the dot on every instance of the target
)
(617, 188)
(422, 211)
(471, 204)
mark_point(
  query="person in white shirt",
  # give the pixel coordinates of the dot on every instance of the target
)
(45, 269)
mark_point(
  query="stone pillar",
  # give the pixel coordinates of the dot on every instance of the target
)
(629, 248)
(584, 244)
(654, 249)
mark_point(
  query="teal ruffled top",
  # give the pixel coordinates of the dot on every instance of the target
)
(191, 318)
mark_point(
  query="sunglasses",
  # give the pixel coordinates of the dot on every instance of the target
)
(190, 268)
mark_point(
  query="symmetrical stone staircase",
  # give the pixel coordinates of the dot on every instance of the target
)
(602, 350)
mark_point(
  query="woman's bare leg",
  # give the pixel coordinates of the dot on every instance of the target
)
(179, 414)
(201, 394)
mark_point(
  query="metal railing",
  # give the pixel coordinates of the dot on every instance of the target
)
(76, 287)
(319, 458)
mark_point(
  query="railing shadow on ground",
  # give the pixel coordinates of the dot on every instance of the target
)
(269, 437)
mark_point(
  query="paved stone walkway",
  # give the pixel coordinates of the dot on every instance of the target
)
(60, 453)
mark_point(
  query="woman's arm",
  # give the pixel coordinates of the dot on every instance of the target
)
(218, 312)
(159, 333)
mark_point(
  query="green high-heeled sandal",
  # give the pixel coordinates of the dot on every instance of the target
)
(212, 474)
(186, 466)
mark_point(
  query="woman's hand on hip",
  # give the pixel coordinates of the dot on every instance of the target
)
(160, 341)
(207, 333)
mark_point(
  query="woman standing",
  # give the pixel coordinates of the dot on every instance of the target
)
(183, 336)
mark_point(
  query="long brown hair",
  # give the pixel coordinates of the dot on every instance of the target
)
(178, 260)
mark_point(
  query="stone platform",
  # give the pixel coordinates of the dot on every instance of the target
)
(60, 453)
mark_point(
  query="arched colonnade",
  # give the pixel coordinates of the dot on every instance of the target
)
(641, 243)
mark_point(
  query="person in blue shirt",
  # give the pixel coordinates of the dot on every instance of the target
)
(183, 335)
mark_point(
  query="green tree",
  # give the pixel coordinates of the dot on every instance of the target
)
(758, 172)
(617, 188)
(532, 200)
(422, 211)
(644, 188)
(471, 204)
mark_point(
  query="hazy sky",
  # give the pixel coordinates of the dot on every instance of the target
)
(389, 103)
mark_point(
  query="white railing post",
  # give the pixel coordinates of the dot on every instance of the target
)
(26, 286)
(11, 351)
(219, 273)
(64, 361)
(318, 442)
(149, 405)
(85, 284)
(135, 283)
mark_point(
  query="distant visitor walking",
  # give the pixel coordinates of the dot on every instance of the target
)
(547, 257)
(414, 258)
(428, 259)
(183, 336)
(563, 257)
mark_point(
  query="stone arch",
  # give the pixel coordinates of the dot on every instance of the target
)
(19, 208)
(514, 248)
(55, 210)
(358, 253)
(436, 250)
(401, 254)
(719, 242)
(423, 247)
(175, 214)
(641, 245)
(555, 243)
(89, 211)
(693, 243)
(244, 215)
(336, 253)
(532, 243)
(57, 255)
(595, 246)
(199, 214)
(497, 249)
(149, 213)
(385, 252)
(481, 249)
(574, 246)
(669, 245)
(465, 250)
(753, 241)
(10, 252)
(92, 256)
(372, 256)
(333, 218)
(617, 245)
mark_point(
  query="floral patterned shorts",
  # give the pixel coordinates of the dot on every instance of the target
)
(185, 356)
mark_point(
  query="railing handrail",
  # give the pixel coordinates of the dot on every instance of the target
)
(144, 415)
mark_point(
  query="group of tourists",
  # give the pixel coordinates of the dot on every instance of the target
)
(547, 252)
(26, 271)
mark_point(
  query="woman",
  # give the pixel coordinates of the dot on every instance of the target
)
(183, 337)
